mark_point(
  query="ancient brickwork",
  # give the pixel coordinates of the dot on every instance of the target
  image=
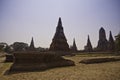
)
(59, 41)
(88, 47)
(102, 43)
(74, 47)
(32, 47)
(111, 43)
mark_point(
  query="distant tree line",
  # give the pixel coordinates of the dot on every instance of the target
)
(17, 46)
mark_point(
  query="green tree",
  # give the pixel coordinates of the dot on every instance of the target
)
(19, 46)
(2, 46)
(8, 49)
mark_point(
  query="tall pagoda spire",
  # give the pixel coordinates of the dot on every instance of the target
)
(32, 47)
(74, 47)
(102, 43)
(102, 34)
(59, 41)
(88, 47)
(110, 37)
(59, 22)
(59, 31)
(111, 43)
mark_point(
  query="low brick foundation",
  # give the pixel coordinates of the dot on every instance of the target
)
(31, 61)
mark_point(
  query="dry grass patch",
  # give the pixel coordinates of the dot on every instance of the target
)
(103, 71)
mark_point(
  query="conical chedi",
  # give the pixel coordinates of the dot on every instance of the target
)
(74, 47)
(59, 41)
(111, 43)
(88, 47)
(32, 47)
(102, 43)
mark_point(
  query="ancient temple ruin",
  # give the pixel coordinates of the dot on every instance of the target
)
(102, 43)
(59, 41)
(74, 47)
(35, 61)
(88, 47)
(111, 43)
(32, 47)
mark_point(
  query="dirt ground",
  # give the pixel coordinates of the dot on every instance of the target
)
(101, 71)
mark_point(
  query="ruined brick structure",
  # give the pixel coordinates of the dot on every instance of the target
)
(88, 47)
(74, 47)
(111, 43)
(102, 43)
(59, 41)
(32, 47)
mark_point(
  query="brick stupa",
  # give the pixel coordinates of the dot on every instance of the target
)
(111, 43)
(88, 47)
(59, 41)
(32, 47)
(74, 47)
(102, 43)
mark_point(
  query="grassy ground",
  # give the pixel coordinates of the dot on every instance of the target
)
(102, 71)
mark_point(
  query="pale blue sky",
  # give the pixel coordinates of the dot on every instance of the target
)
(22, 19)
